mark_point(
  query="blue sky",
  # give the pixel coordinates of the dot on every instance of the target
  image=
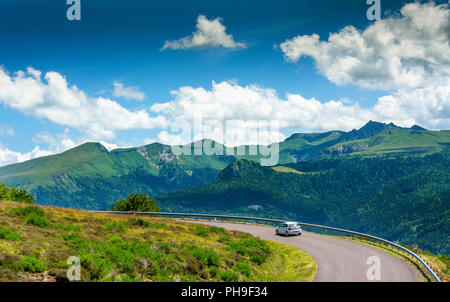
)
(121, 42)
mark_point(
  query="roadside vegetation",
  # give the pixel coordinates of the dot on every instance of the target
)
(35, 243)
(136, 202)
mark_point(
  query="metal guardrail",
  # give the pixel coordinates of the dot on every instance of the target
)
(276, 221)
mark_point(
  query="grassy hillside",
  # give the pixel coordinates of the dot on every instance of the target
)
(35, 243)
(398, 198)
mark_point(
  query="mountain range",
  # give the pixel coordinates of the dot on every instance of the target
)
(91, 177)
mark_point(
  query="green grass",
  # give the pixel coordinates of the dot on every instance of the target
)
(33, 265)
(9, 234)
(123, 248)
(37, 220)
(286, 170)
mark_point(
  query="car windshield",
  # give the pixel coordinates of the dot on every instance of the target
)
(292, 225)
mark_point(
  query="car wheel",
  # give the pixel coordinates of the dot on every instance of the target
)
(286, 234)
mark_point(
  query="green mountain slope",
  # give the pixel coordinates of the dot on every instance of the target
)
(90, 177)
(398, 198)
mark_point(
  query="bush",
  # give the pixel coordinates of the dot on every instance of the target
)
(24, 211)
(243, 268)
(215, 229)
(33, 265)
(138, 222)
(256, 248)
(9, 235)
(228, 276)
(13, 194)
(114, 226)
(136, 203)
(37, 220)
(201, 231)
(208, 256)
(225, 240)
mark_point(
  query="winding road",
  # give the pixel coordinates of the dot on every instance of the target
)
(338, 260)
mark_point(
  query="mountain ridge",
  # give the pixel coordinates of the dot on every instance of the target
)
(89, 176)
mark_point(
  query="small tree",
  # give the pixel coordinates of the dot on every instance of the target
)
(13, 194)
(136, 202)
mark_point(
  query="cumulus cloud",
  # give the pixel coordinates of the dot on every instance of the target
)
(429, 107)
(394, 53)
(229, 101)
(53, 99)
(209, 33)
(8, 156)
(128, 93)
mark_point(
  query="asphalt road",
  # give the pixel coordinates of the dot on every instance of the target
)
(337, 259)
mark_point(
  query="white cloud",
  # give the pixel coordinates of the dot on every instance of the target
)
(128, 93)
(210, 33)
(228, 101)
(166, 138)
(55, 143)
(54, 100)
(8, 156)
(429, 107)
(394, 53)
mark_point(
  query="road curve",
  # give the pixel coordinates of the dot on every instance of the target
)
(338, 260)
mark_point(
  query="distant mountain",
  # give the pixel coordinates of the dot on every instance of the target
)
(403, 198)
(90, 177)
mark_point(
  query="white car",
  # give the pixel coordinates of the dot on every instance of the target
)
(289, 228)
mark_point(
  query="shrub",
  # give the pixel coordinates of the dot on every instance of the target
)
(225, 240)
(114, 226)
(13, 194)
(257, 258)
(69, 236)
(228, 276)
(215, 229)
(37, 220)
(208, 256)
(9, 235)
(256, 248)
(24, 211)
(138, 222)
(136, 203)
(201, 231)
(243, 268)
(33, 265)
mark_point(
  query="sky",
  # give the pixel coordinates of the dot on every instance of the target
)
(130, 72)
